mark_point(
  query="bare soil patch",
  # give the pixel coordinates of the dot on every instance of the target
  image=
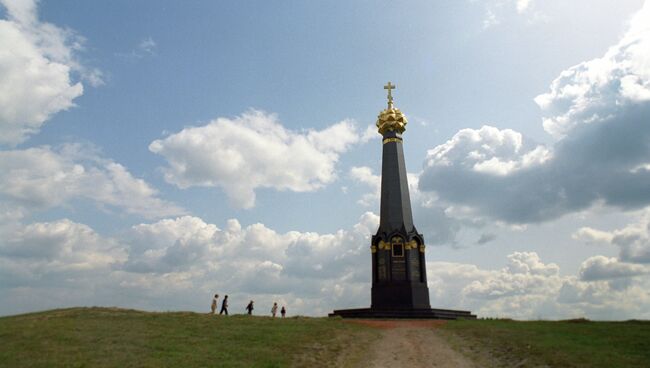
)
(410, 343)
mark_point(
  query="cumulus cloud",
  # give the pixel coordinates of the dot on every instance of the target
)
(254, 151)
(597, 110)
(186, 243)
(54, 256)
(592, 91)
(488, 151)
(62, 245)
(37, 63)
(528, 288)
(44, 177)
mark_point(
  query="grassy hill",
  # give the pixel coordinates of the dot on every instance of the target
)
(110, 337)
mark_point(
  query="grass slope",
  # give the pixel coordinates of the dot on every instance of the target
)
(109, 337)
(556, 344)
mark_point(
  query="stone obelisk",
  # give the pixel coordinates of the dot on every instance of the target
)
(399, 278)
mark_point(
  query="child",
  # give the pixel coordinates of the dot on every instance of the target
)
(274, 310)
(250, 308)
(283, 311)
(213, 307)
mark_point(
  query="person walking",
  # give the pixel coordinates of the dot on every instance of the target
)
(283, 311)
(213, 307)
(274, 309)
(224, 305)
(250, 308)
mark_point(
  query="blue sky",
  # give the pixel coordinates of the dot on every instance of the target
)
(153, 153)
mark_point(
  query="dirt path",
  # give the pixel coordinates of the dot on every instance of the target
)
(414, 344)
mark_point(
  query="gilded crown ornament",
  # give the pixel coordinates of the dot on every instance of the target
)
(391, 119)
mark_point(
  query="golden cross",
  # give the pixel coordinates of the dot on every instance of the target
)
(390, 87)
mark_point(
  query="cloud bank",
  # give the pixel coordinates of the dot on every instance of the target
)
(178, 263)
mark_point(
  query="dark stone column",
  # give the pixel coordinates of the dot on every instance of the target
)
(399, 290)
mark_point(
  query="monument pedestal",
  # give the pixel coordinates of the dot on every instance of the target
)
(403, 313)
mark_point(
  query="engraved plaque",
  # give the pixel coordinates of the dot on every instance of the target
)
(382, 272)
(399, 270)
(414, 264)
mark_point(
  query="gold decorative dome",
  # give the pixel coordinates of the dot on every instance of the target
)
(391, 119)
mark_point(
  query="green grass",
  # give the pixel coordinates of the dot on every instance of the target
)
(109, 337)
(556, 344)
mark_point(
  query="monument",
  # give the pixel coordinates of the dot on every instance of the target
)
(399, 278)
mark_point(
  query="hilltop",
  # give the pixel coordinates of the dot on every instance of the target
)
(112, 337)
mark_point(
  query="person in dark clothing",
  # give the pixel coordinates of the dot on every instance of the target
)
(250, 308)
(224, 305)
(283, 311)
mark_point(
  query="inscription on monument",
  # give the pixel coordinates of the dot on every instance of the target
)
(382, 272)
(414, 264)
(399, 269)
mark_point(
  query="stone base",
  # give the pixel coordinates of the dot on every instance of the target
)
(403, 313)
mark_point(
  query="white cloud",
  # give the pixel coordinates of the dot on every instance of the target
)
(254, 151)
(62, 245)
(186, 243)
(43, 177)
(41, 260)
(590, 235)
(487, 150)
(36, 67)
(370, 133)
(595, 90)
(598, 112)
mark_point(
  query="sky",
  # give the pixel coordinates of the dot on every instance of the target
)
(154, 153)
